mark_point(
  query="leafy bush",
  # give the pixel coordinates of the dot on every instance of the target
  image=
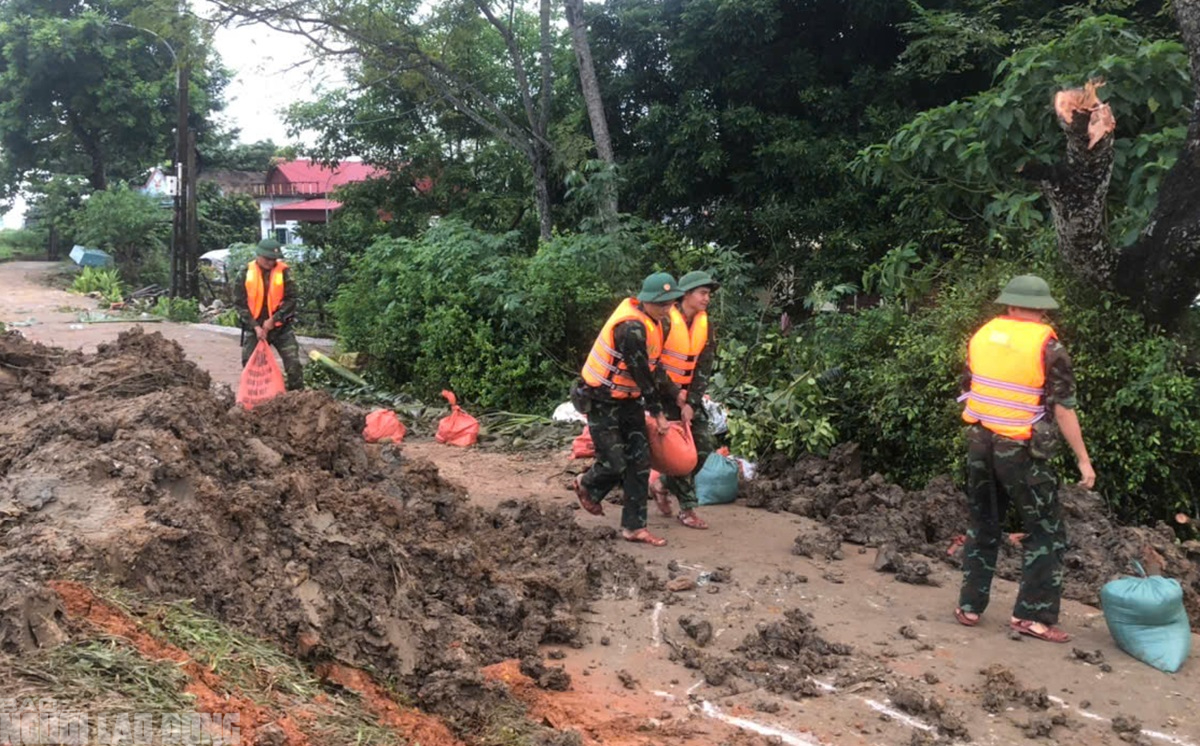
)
(478, 313)
(131, 226)
(774, 400)
(895, 377)
(178, 309)
(20, 243)
(106, 282)
(228, 317)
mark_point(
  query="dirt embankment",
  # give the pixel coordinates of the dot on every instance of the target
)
(278, 521)
(914, 527)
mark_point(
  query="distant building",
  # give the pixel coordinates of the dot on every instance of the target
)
(300, 191)
(233, 182)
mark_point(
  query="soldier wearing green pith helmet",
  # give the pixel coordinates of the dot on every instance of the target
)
(1019, 394)
(266, 306)
(621, 380)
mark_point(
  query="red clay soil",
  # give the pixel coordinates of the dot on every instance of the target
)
(594, 714)
(203, 684)
(413, 725)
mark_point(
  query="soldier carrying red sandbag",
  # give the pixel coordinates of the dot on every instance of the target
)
(621, 381)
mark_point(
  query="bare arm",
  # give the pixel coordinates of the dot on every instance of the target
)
(1068, 424)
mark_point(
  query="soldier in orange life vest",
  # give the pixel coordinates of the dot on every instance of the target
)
(621, 380)
(688, 355)
(265, 302)
(1019, 391)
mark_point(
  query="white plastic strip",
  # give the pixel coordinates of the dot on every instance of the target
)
(788, 737)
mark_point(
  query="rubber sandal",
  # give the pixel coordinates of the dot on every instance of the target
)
(691, 520)
(662, 498)
(965, 620)
(1052, 634)
(643, 536)
(585, 500)
(956, 544)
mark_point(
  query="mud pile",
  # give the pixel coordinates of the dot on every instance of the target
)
(871, 512)
(280, 521)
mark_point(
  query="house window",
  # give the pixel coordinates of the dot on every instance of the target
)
(281, 235)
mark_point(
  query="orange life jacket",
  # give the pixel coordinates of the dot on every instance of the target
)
(684, 345)
(254, 289)
(1008, 376)
(606, 367)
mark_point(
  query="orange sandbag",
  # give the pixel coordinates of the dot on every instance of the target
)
(457, 428)
(261, 379)
(383, 424)
(583, 447)
(674, 454)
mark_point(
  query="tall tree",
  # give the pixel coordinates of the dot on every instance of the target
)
(396, 41)
(594, 100)
(87, 87)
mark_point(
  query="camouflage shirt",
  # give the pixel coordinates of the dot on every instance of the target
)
(286, 308)
(630, 340)
(1060, 377)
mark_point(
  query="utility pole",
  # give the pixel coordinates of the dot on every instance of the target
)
(180, 224)
(191, 244)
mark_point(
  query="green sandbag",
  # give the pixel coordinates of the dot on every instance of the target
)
(717, 481)
(1147, 619)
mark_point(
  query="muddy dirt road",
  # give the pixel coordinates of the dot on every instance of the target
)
(642, 676)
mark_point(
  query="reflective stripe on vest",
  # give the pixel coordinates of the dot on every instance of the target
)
(683, 346)
(1008, 376)
(254, 289)
(605, 367)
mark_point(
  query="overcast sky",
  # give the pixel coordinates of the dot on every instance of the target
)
(266, 80)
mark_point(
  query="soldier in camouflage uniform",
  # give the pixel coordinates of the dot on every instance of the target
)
(691, 371)
(1020, 394)
(621, 381)
(268, 283)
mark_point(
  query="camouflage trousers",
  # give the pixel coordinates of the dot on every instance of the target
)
(1000, 472)
(618, 429)
(684, 487)
(283, 339)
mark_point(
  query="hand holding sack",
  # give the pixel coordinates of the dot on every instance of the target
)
(457, 428)
(384, 425)
(262, 379)
(673, 453)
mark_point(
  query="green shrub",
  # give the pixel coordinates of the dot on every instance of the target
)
(106, 282)
(228, 317)
(133, 227)
(178, 309)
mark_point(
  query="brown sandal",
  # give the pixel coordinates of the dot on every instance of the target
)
(965, 620)
(662, 498)
(585, 499)
(691, 520)
(643, 536)
(1051, 633)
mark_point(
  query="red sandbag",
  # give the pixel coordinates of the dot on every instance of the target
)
(583, 447)
(674, 454)
(383, 424)
(262, 378)
(457, 428)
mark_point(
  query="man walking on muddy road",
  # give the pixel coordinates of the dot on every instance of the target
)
(688, 355)
(1019, 391)
(266, 304)
(621, 381)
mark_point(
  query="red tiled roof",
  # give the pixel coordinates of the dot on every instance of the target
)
(346, 172)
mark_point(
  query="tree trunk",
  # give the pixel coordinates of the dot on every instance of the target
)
(590, 86)
(1161, 272)
(541, 188)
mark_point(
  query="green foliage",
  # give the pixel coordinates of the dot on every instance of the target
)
(106, 282)
(178, 309)
(463, 309)
(133, 227)
(225, 219)
(966, 157)
(228, 317)
(895, 377)
(774, 400)
(18, 244)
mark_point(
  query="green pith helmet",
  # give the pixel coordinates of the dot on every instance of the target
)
(269, 248)
(697, 279)
(659, 287)
(1027, 291)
